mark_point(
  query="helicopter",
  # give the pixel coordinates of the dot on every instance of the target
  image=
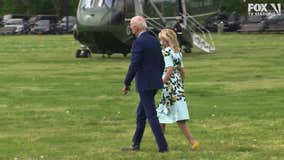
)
(103, 25)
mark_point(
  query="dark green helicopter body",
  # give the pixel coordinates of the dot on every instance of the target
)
(101, 28)
(103, 25)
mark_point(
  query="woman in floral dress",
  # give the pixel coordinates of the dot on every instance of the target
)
(173, 106)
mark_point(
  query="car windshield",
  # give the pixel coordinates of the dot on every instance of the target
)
(70, 19)
(43, 23)
(97, 3)
(6, 17)
(255, 19)
(275, 17)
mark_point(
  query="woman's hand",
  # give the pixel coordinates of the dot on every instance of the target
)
(165, 81)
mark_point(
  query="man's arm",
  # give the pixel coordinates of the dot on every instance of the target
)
(136, 59)
(162, 64)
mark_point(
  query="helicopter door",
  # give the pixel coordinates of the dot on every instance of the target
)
(118, 11)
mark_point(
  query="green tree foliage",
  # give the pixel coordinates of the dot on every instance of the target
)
(64, 7)
(241, 5)
(12, 6)
(33, 7)
(61, 7)
(28, 5)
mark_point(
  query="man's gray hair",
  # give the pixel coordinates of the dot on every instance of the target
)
(139, 22)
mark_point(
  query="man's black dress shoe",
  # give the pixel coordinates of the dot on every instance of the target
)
(164, 150)
(133, 148)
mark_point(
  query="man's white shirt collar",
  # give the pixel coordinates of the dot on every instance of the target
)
(140, 34)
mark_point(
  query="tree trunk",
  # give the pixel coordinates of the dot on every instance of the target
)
(28, 4)
(61, 7)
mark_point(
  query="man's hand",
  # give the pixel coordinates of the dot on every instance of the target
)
(125, 90)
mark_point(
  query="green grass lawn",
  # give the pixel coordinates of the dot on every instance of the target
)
(56, 107)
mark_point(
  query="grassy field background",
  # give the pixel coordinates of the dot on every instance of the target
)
(56, 107)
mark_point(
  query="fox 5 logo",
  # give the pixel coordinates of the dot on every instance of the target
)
(264, 9)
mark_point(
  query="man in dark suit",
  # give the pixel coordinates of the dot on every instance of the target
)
(146, 66)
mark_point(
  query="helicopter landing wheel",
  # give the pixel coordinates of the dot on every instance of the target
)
(83, 53)
(125, 55)
(186, 49)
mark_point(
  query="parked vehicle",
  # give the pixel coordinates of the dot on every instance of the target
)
(7, 30)
(234, 22)
(20, 25)
(212, 22)
(231, 21)
(62, 25)
(43, 27)
(274, 23)
(254, 24)
(14, 16)
(53, 19)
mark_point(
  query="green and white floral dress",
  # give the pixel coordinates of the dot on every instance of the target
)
(173, 106)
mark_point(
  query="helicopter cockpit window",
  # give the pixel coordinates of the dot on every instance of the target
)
(109, 3)
(87, 3)
(97, 3)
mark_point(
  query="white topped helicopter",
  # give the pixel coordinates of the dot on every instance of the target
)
(103, 25)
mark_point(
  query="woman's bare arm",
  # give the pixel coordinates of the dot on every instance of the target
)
(181, 71)
(168, 74)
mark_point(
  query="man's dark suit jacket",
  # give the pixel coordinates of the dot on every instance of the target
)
(147, 63)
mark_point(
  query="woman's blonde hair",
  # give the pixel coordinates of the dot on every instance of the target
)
(170, 36)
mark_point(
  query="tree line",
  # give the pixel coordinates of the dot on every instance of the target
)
(241, 5)
(68, 7)
(33, 7)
